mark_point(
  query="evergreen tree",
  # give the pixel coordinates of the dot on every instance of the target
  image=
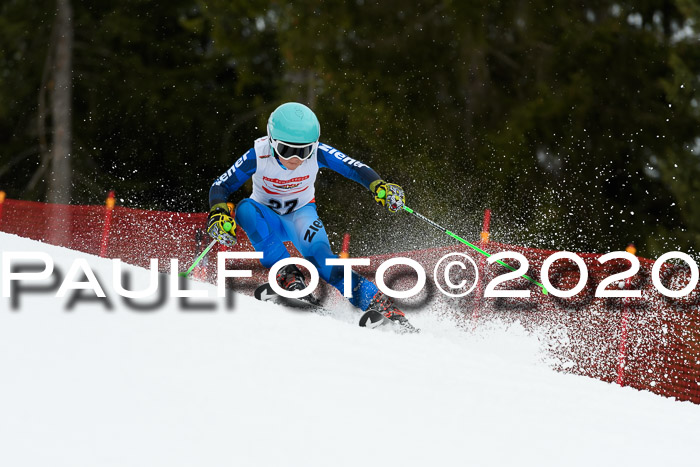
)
(575, 122)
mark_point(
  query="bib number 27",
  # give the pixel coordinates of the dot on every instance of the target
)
(276, 205)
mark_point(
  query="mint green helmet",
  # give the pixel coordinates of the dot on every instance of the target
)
(293, 123)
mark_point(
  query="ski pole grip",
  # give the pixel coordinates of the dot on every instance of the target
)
(381, 194)
(227, 226)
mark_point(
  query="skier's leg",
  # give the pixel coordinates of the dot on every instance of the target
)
(306, 231)
(264, 229)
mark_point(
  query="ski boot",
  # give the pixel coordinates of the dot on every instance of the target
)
(385, 306)
(291, 278)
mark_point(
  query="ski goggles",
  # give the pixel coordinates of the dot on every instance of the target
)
(288, 150)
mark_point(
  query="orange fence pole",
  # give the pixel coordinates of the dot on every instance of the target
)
(2, 200)
(109, 208)
(486, 227)
(345, 250)
(624, 328)
(484, 240)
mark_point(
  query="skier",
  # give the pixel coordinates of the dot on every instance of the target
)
(282, 207)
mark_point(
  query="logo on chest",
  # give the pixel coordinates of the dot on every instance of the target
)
(275, 186)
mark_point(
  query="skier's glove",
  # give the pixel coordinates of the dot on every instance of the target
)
(220, 225)
(387, 194)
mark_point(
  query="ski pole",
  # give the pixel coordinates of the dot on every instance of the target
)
(196, 261)
(382, 194)
(227, 227)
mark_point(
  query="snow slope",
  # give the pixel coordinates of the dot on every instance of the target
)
(258, 385)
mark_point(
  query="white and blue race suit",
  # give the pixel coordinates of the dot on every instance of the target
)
(282, 208)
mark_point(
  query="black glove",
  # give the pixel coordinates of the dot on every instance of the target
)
(387, 194)
(220, 225)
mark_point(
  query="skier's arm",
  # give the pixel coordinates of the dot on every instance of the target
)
(346, 166)
(389, 195)
(233, 178)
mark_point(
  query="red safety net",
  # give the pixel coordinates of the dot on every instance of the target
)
(649, 343)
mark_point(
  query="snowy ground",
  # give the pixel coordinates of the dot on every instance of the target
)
(262, 386)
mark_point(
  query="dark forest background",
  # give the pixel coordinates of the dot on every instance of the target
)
(577, 123)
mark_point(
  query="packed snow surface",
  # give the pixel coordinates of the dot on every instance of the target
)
(259, 385)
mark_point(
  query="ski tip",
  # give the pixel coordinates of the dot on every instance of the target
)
(372, 319)
(265, 293)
